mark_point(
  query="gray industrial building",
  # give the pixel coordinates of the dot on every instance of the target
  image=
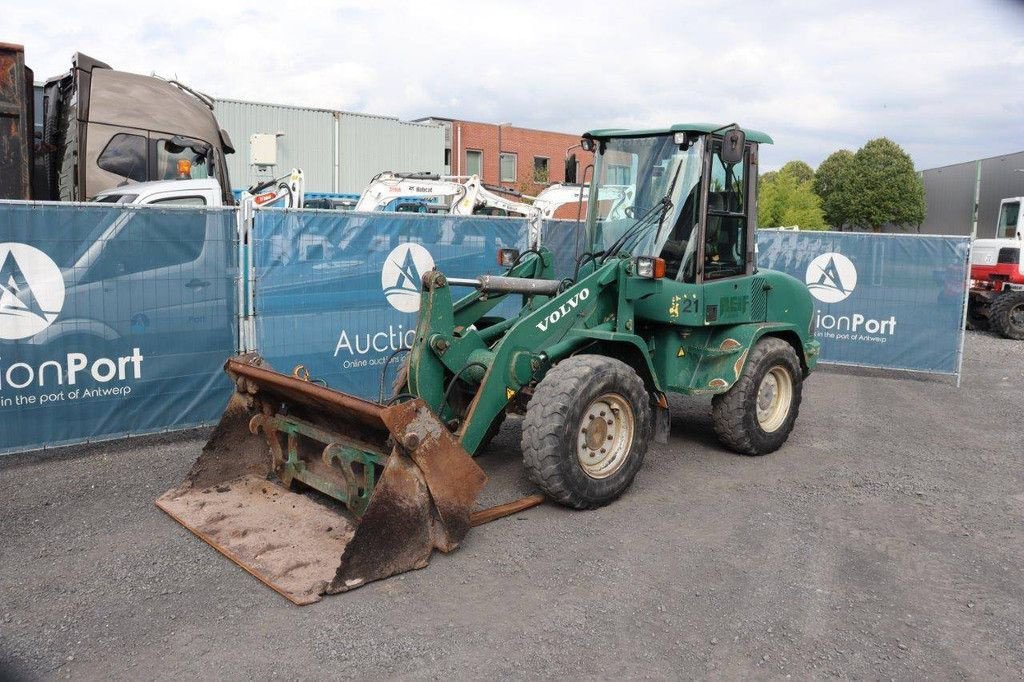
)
(949, 194)
(338, 151)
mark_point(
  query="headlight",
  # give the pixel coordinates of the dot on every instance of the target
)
(651, 268)
(507, 257)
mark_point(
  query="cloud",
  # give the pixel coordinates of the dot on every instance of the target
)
(944, 79)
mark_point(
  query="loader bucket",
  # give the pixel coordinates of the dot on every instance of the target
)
(314, 491)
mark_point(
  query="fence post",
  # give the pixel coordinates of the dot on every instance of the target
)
(246, 328)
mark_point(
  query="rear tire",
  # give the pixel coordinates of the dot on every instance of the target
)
(1006, 315)
(756, 415)
(586, 431)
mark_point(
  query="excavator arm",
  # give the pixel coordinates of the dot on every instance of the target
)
(287, 191)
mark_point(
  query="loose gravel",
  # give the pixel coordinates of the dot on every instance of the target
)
(885, 540)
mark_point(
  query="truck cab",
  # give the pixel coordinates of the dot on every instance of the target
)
(102, 128)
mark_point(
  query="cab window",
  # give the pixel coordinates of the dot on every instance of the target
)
(1008, 219)
(125, 155)
(181, 201)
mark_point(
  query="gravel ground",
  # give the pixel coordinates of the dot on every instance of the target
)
(883, 541)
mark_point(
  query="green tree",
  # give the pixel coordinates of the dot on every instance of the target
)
(884, 187)
(799, 170)
(787, 198)
(833, 182)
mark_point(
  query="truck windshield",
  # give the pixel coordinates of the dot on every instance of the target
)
(168, 154)
(115, 198)
(633, 178)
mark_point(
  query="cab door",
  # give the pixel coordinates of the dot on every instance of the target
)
(731, 291)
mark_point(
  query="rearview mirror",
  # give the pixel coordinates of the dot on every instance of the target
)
(732, 146)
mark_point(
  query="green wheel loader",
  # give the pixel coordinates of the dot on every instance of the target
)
(314, 491)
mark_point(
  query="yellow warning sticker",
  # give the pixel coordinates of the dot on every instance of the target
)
(509, 393)
(681, 352)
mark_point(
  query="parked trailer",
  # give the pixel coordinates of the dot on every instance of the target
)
(16, 117)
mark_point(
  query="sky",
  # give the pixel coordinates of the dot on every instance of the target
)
(943, 79)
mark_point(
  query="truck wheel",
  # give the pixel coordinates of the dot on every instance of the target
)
(1006, 315)
(755, 416)
(976, 320)
(586, 431)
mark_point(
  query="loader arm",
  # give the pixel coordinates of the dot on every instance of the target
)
(595, 309)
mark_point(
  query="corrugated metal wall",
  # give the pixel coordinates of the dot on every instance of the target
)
(365, 144)
(949, 194)
(308, 141)
(368, 145)
(999, 179)
(948, 199)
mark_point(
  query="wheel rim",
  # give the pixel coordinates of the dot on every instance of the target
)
(774, 397)
(1017, 316)
(606, 436)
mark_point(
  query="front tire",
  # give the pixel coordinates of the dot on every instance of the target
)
(756, 415)
(586, 431)
(1006, 315)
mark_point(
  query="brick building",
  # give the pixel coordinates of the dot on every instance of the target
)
(502, 154)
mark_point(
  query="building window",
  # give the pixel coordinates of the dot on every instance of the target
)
(447, 157)
(508, 167)
(540, 169)
(474, 162)
(619, 175)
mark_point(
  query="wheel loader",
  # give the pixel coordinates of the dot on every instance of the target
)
(315, 491)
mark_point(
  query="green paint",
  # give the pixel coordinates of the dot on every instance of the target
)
(686, 337)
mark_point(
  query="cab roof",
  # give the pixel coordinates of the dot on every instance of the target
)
(604, 133)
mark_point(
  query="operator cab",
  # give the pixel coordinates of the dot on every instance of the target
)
(691, 201)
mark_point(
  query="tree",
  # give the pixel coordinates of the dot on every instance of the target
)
(799, 170)
(833, 182)
(869, 189)
(885, 188)
(787, 198)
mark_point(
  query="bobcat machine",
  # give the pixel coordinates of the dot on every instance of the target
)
(996, 297)
(451, 194)
(315, 491)
(554, 197)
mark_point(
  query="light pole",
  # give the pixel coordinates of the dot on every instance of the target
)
(500, 126)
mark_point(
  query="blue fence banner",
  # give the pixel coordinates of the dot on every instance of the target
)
(338, 292)
(114, 320)
(566, 239)
(881, 300)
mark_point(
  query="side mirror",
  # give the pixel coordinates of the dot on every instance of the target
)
(732, 146)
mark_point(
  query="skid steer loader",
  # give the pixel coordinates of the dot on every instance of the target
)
(315, 491)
